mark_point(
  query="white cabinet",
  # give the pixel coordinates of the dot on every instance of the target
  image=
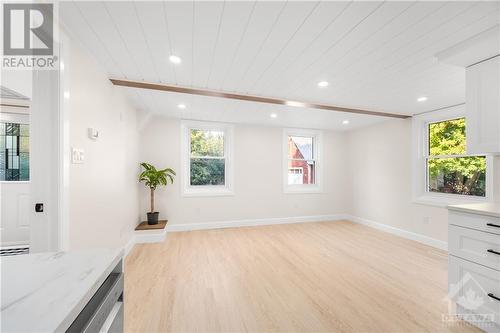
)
(474, 266)
(483, 107)
(476, 246)
(475, 289)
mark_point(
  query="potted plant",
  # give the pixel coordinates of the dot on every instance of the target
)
(153, 178)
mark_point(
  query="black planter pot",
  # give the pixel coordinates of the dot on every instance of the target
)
(153, 218)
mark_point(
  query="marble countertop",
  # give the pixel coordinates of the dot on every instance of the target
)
(45, 292)
(489, 209)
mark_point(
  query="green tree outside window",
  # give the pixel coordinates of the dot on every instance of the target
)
(464, 175)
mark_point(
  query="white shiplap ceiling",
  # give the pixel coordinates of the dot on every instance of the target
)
(375, 55)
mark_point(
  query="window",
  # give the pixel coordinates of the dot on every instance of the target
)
(301, 150)
(14, 152)
(207, 158)
(449, 168)
(444, 173)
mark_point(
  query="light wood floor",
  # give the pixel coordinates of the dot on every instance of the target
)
(321, 277)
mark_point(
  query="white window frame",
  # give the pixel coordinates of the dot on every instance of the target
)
(421, 194)
(317, 157)
(206, 190)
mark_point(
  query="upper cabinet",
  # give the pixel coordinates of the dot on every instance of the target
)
(483, 106)
(480, 56)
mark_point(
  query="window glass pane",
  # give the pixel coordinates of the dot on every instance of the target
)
(2, 165)
(24, 144)
(12, 129)
(207, 143)
(24, 130)
(24, 166)
(14, 162)
(14, 152)
(207, 171)
(301, 172)
(447, 137)
(459, 175)
(300, 147)
(12, 174)
(8, 142)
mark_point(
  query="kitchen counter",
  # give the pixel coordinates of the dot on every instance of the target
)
(488, 209)
(45, 292)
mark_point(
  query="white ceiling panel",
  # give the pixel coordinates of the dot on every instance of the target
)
(207, 26)
(264, 17)
(315, 26)
(236, 111)
(82, 32)
(375, 55)
(126, 21)
(179, 20)
(152, 18)
(290, 21)
(420, 50)
(232, 31)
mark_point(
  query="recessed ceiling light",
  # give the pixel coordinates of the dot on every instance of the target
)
(273, 115)
(174, 59)
(422, 99)
(181, 106)
(345, 122)
(323, 84)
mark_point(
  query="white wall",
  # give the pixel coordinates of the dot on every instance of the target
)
(257, 177)
(103, 195)
(380, 168)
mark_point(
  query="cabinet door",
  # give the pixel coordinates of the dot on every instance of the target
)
(483, 107)
(474, 287)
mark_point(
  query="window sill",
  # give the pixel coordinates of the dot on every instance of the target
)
(304, 189)
(14, 181)
(219, 192)
(444, 201)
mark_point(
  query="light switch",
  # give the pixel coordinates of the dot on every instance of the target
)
(77, 156)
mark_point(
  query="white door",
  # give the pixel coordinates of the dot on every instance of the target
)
(36, 206)
(29, 161)
(14, 170)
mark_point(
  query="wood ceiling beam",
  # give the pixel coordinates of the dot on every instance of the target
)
(250, 98)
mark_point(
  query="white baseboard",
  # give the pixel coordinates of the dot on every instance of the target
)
(400, 232)
(154, 237)
(129, 246)
(253, 222)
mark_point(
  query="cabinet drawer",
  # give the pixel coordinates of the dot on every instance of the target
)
(477, 246)
(474, 221)
(474, 287)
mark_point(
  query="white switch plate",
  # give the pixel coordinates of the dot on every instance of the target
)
(77, 156)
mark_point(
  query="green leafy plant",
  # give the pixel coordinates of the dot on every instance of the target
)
(153, 178)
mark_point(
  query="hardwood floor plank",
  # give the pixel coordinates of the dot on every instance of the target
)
(310, 277)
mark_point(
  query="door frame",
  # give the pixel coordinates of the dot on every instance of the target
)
(50, 176)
